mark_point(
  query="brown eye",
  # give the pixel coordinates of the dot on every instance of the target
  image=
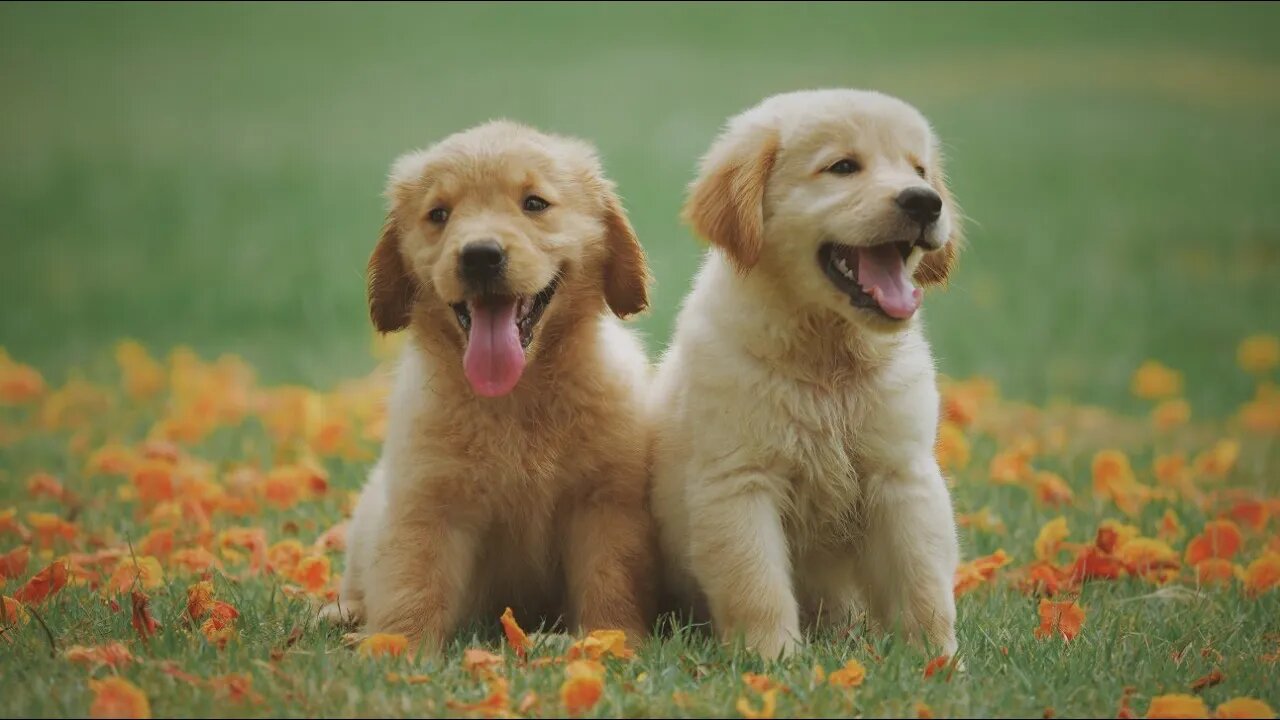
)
(438, 216)
(845, 166)
(920, 171)
(535, 204)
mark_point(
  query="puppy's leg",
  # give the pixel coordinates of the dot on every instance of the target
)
(738, 553)
(908, 564)
(362, 533)
(418, 576)
(610, 563)
(349, 607)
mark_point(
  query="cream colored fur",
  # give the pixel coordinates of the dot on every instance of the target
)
(795, 478)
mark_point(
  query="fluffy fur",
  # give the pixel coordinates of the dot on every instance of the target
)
(795, 478)
(537, 499)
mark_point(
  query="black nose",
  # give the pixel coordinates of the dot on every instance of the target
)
(920, 204)
(482, 260)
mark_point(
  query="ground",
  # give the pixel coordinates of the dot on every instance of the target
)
(209, 177)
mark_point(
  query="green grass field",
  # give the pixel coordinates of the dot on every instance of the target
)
(211, 176)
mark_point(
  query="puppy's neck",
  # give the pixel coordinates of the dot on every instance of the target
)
(806, 341)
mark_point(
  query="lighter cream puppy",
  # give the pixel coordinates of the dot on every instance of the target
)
(514, 470)
(797, 407)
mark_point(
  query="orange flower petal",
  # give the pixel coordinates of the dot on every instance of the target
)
(144, 571)
(235, 687)
(497, 704)
(199, 600)
(583, 686)
(768, 706)
(759, 683)
(13, 564)
(1220, 539)
(49, 528)
(1052, 490)
(193, 560)
(1214, 571)
(157, 543)
(1153, 380)
(600, 643)
(220, 628)
(1061, 618)
(952, 447)
(1146, 557)
(1171, 414)
(936, 664)
(1170, 526)
(114, 655)
(480, 662)
(11, 612)
(850, 676)
(1050, 538)
(1177, 706)
(111, 460)
(143, 623)
(43, 484)
(1219, 460)
(1214, 677)
(381, 644)
(1243, 707)
(1259, 354)
(1253, 513)
(313, 574)
(516, 636)
(43, 584)
(334, 539)
(1262, 574)
(116, 697)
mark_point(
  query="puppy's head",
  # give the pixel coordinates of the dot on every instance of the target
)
(837, 193)
(493, 234)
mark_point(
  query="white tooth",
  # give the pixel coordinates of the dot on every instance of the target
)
(843, 267)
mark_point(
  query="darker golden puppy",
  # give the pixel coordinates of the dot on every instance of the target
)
(514, 470)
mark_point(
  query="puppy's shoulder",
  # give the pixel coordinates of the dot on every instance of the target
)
(622, 353)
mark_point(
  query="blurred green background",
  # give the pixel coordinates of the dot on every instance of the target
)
(212, 174)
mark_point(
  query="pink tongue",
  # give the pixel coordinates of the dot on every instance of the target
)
(494, 359)
(883, 276)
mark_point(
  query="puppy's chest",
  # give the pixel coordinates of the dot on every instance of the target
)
(825, 452)
(523, 466)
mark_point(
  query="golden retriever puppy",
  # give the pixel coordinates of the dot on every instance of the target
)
(514, 470)
(796, 407)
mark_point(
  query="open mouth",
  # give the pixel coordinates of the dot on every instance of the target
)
(874, 277)
(528, 310)
(499, 328)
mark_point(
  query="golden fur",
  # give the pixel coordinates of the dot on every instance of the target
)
(537, 499)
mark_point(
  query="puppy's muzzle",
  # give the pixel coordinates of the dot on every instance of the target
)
(923, 206)
(482, 263)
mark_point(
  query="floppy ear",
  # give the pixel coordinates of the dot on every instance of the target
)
(726, 202)
(392, 287)
(935, 267)
(626, 273)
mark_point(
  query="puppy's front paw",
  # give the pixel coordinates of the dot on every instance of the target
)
(774, 644)
(343, 614)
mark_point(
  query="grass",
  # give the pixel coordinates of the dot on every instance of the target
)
(210, 176)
